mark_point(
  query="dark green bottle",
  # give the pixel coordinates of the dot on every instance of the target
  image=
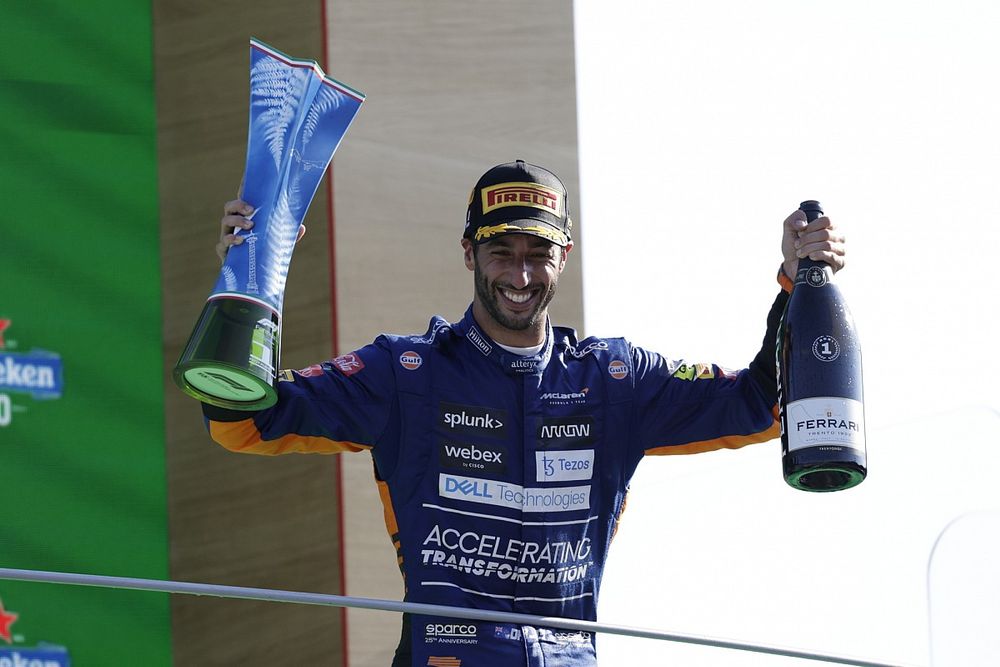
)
(820, 393)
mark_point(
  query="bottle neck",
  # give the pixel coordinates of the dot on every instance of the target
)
(813, 273)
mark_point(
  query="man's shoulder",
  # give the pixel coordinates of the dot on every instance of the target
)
(439, 331)
(566, 338)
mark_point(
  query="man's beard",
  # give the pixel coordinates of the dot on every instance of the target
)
(490, 299)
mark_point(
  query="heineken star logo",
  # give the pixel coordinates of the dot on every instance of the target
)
(7, 619)
(3, 325)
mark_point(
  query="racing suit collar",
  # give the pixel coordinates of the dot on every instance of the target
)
(510, 362)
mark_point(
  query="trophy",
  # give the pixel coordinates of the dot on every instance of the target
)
(298, 117)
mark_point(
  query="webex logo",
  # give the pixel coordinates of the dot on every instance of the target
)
(487, 458)
(471, 419)
(566, 431)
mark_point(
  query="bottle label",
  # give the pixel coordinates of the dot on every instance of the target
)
(818, 421)
(814, 276)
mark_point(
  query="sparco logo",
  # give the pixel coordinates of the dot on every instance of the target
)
(566, 431)
(449, 630)
(470, 419)
(489, 458)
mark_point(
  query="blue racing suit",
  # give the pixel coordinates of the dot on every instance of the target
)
(503, 477)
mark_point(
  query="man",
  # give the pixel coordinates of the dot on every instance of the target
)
(504, 446)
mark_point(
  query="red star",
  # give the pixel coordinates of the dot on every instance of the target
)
(3, 325)
(7, 619)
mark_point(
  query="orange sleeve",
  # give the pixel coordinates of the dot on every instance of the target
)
(244, 437)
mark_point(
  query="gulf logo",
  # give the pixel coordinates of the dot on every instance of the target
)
(618, 369)
(411, 361)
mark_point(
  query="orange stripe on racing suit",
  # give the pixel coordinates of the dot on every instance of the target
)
(244, 437)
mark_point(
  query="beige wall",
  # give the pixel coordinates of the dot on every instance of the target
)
(239, 520)
(453, 88)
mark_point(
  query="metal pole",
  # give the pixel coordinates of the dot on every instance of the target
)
(327, 600)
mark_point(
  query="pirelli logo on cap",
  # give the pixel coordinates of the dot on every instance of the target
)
(522, 194)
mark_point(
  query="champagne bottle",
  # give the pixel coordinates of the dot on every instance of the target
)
(820, 394)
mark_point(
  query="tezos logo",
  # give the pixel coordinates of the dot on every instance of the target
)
(471, 419)
(618, 369)
(411, 361)
(564, 466)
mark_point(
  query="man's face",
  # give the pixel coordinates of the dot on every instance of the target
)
(516, 277)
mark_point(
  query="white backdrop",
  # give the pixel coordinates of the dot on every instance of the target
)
(702, 125)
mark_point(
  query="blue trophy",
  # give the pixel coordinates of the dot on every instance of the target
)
(298, 117)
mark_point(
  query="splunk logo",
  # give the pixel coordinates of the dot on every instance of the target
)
(566, 431)
(486, 458)
(471, 419)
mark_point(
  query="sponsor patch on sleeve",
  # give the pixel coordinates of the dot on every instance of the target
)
(348, 364)
(310, 371)
(691, 372)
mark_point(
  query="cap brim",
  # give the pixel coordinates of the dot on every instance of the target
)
(529, 226)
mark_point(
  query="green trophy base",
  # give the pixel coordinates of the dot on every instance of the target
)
(231, 359)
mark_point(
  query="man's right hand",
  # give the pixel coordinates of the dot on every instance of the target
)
(233, 218)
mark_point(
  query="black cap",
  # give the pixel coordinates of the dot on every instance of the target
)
(518, 198)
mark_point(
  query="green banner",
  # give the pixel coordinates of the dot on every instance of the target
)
(82, 470)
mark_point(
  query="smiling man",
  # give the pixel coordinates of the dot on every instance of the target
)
(517, 238)
(503, 445)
